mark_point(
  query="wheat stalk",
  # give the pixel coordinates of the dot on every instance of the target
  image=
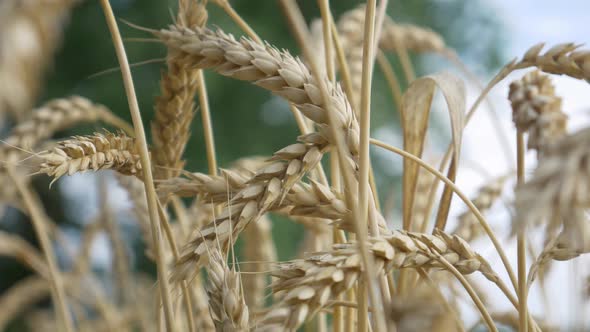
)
(259, 253)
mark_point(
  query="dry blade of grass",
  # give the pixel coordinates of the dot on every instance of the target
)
(415, 113)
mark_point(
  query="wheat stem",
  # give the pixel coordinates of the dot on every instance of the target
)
(342, 63)
(391, 79)
(364, 161)
(238, 19)
(145, 162)
(207, 126)
(327, 33)
(521, 240)
(480, 306)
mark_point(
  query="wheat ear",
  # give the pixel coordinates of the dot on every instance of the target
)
(54, 116)
(537, 110)
(269, 68)
(309, 284)
(93, 152)
(226, 302)
(175, 107)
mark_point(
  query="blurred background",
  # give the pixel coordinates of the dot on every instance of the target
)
(485, 33)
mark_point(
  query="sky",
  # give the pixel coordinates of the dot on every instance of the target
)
(528, 23)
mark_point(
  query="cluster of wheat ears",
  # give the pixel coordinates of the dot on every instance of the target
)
(356, 272)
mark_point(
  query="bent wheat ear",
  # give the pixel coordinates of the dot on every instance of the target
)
(561, 59)
(23, 64)
(309, 284)
(99, 151)
(269, 68)
(54, 116)
(414, 38)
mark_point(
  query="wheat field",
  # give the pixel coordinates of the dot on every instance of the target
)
(359, 268)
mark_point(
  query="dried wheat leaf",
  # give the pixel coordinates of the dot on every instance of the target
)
(416, 104)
